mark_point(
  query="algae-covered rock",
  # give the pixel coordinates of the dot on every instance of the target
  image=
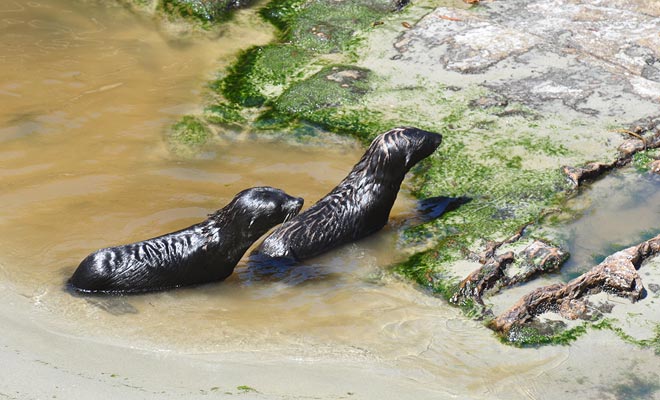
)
(190, 14)
(329, 26)
(224, 114)
(187, 137)
(204, 10)
(292, 77)
(260, 71)
(326, 26)
(333, 99)
(331, 87)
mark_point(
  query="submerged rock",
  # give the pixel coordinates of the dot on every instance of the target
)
(210, 10)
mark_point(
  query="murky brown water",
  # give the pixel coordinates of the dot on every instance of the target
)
(86, 100)
(88, 90)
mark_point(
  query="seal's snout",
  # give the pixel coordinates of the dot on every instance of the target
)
(425, 138)
(419, 144)
(435, 139)
(293, 207)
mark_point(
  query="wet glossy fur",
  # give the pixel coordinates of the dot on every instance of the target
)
(201, 253)
(360, 205)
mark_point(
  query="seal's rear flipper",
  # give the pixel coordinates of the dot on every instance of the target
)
(433, 207)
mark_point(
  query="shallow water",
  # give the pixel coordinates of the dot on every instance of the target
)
(618, 211)
(87, 99)
(88, 91)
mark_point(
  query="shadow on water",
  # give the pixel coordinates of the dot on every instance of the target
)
(618, 211)
(262, 268)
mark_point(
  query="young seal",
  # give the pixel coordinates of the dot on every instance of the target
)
(201, 253)
(360, 205)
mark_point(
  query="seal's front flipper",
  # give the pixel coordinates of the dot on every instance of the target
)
(433, 207)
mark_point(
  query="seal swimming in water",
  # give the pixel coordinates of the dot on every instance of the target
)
(204, 252)
(360, 205)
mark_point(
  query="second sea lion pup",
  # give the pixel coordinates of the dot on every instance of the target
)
(201, 253)
(360, 205)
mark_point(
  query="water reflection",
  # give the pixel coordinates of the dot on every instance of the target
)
(618, 211)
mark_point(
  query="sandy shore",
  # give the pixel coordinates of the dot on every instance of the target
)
(39, 361)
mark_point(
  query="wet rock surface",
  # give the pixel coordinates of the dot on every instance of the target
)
(617, 275)
(627, 150)
(655, 167)
(509, 269)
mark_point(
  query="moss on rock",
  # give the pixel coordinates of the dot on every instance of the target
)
(332, 99)
(187, 136)
(329, 26)
(259, 69)
(204, 11)
(224, 114)
(282, 13)
(277, 75)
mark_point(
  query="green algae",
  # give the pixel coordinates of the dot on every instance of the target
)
(290, 77)
(533, 336)
(203, 11)
(238, 86)
(282, 13)
(642, 160)
(555, 333)
(202, 14)
(324, 26)
(224, 114)
(258, 68)
(246, 389)
(329, 26)
(422, 268)
(332, 99)
(188, 136)
(504, 198)
(650, 343)
(332, 87)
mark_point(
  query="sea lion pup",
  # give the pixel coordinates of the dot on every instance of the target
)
(360, 205)
(201, 253)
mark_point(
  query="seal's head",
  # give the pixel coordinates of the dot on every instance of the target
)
(420, 144)
(400, 149)
(256, 210)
